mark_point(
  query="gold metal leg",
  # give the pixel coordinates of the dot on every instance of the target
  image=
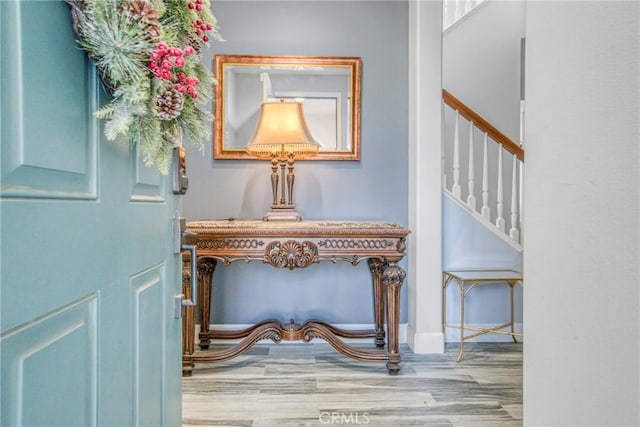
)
(511, 286)
(444, 303)
(462, 298)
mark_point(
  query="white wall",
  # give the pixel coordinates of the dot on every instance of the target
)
(581, 303)
(424, 332)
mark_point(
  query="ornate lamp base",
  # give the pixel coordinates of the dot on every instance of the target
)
(282, 214)
(282, 209)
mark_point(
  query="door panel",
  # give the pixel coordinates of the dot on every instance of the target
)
(147, 185)
(88, 274)
(30, 353)
(148, 346)
(47, 98)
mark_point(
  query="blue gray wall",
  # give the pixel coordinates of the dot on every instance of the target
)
(375, 188)
(468, 244)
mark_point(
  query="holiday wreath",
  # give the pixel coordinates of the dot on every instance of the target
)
(149, 56)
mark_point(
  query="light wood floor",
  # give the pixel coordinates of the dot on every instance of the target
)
(313, 385)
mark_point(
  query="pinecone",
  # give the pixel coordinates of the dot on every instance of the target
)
(195, 44)
(145, 14)
(169, 104)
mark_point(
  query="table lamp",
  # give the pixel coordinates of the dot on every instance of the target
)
(282, 135)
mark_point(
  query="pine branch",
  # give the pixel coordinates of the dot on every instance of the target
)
(106, 111)
(119, 123)
(136, 93)
(118, 47)
(194, 122)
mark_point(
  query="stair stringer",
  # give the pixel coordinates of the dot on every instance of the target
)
(484, 222)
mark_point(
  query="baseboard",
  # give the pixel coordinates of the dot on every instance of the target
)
(402, 333)
(425, 342)
(453, 334)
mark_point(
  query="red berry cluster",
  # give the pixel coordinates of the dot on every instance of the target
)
(164, 58)
(201, 28)
(197, 5)
(187, 84)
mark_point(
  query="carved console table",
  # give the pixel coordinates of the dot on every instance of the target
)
(298, 245)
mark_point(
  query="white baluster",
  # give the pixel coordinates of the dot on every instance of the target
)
(485, 211)
(500, 196)
(459, 10)
(471, 199)
(447, 14)
(456, 158)
(514, 233)
(468, 6)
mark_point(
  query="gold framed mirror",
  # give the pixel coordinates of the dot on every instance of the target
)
(328, 87)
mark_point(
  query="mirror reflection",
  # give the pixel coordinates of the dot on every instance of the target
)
(327, 87)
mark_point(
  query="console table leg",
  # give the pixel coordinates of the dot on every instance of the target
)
(187, 325)
(377, 268)
(392, 279)
(205, 266)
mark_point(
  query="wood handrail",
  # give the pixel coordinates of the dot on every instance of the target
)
(483, 125)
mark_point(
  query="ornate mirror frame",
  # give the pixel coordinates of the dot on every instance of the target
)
(306, 78)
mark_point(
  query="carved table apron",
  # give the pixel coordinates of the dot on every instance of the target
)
(297, 245)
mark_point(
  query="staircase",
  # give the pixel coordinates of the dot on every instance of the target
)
(472, 149)
(482, 168)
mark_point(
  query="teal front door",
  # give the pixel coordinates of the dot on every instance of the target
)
(88, 334)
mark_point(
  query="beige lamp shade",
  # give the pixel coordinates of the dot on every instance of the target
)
(281, 130)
